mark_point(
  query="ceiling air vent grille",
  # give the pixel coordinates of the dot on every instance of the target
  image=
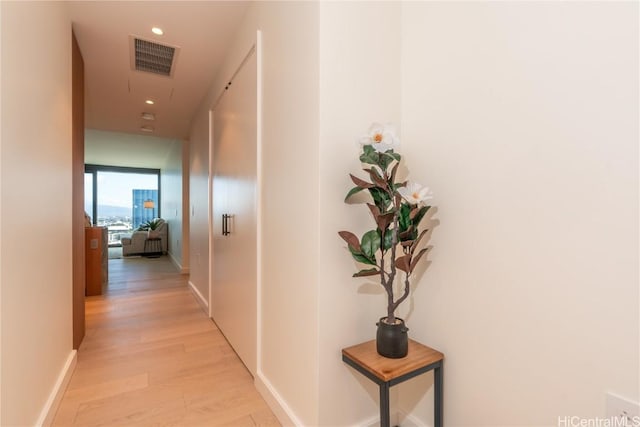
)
(153, 57)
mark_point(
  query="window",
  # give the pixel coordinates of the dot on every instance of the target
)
(88, 194)
(121, 199)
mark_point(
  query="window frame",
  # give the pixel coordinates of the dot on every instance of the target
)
(94, 169)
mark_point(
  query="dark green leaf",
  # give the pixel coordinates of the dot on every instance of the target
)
(360, 257)
(419, 215)
(381, 198)
(388, 239)
(408, 234)
(403, 219)
(368, 272)
(368, 149)
(370, 243)
(369, 156)
(384, 161)
(363, 259)
(353, 191)
(387, 158)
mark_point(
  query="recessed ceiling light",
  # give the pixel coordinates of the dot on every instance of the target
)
(146, 128)
(157, 31)
(148, 116)
(149, 101)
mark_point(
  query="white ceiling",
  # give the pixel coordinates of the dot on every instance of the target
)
(115, 93)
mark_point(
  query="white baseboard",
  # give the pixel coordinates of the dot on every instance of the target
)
(409, 420)
(288, 418)
(397, 419)
(174, 261)
(281, 410)
(50, 408)
(371, 422)
(201, 300)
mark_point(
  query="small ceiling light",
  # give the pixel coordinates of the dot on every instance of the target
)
(157, 31)
(146, 128)
(148, 116)
(149, 101)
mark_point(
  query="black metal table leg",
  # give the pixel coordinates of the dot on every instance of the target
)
(389, 372)
(437, 410)
(385, 420)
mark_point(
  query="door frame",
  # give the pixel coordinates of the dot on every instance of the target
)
(256, 49)
(77, 190)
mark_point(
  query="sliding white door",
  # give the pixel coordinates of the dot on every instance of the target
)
(234, 262)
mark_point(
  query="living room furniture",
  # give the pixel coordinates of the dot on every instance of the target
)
(96, 260)
(153, 247)
(388, 372)
(136, 244)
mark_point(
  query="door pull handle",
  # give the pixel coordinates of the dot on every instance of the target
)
(225, 224)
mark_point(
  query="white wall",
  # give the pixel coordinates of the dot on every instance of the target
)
(198, 212)
(185, 206)
(359, 84)
(523, 118)
(35, 242)
(288, 362)
(172, 201)
(290, 204)
(0, 217)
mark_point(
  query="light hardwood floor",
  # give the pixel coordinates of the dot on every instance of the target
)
(151, 357)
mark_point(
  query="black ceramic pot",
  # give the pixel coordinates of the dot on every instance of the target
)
(392, 341)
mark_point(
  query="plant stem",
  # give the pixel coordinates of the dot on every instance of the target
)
(394, 242)
(382, 272)
(391, 305)
(405, 294)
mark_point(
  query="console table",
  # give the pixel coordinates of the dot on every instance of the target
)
(96, 260)
(388, 372)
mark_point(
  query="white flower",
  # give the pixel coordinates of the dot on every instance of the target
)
(415, 193)
(381, 137)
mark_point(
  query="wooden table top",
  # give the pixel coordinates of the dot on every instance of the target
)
(386, 369)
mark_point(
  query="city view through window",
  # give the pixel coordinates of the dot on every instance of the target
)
(124, 201)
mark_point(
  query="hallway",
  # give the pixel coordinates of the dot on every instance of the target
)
(152, 357)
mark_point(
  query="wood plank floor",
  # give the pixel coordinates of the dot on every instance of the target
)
(151, 357)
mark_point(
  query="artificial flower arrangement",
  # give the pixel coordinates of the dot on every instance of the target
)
(398, 208)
